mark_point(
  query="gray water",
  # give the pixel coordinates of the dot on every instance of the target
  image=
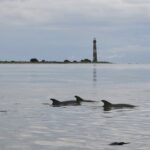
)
(27, 122)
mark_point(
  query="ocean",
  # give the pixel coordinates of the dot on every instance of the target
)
(29, 122)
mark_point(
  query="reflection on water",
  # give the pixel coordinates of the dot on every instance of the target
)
(30, 125)
(94, 74)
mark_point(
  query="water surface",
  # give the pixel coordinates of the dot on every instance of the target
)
(28, 124)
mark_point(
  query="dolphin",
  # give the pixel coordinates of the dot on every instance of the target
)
(82, 100)
(57, 103)
(119, 143)
(108, 106)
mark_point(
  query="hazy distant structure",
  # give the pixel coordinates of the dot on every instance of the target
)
(94, 51)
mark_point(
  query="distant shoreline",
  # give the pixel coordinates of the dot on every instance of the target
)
(51, 62)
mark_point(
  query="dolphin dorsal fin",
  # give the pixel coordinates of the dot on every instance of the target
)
(106, 103)
(55, 102)
(79, 99)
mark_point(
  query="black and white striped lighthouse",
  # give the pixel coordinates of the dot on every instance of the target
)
(94, 51)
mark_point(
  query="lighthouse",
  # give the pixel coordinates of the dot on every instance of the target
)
(94, 51)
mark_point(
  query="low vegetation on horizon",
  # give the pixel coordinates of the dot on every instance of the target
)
(35, 60)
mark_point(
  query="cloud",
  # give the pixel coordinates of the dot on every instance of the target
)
(137, 2)
(72, 13)
(120, 26)
(127, 53)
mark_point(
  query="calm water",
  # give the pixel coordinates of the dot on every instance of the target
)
(28, 124)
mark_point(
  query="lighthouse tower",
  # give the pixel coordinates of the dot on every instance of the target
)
(94, 51)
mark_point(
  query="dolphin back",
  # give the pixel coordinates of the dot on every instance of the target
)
(106, 103)
(108, 106)
(119, 143)
(124, 105)
(79, 99)
(54, 101)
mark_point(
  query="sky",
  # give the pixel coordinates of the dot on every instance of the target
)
(64, 29)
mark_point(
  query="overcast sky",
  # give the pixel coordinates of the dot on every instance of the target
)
(64, 29)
